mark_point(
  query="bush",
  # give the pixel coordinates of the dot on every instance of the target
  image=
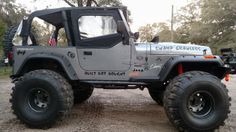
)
(5, 71)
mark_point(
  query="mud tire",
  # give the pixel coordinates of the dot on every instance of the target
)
(59, 98)
(181, 112)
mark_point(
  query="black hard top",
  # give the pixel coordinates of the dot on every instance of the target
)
(54, 16)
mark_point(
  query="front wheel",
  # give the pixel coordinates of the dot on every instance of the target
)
(196, 101)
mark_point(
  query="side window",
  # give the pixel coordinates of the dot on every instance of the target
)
(41, 31)
(61, 39)
(45, 34)
(96, 26)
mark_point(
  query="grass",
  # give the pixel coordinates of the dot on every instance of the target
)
(5, 71)
(1, 51)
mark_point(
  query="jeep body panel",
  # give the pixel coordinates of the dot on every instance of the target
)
(170, 48)
(66, 57)
(174, 61)
(155, 69)
(69, 60)
(108, 57)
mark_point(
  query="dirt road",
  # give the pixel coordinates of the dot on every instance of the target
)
(109, 110)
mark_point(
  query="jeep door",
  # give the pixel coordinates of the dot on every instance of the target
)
(100, 47)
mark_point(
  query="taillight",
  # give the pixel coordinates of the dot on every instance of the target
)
(10, 55)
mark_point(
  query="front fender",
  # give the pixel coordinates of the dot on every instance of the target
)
(173, 61)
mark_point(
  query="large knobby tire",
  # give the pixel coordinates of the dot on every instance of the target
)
(196, 101)
(157, 95)
(82, 93)
(7, 41)
(8, 38)
(41, 97)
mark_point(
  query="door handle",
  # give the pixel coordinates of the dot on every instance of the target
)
(88, 53)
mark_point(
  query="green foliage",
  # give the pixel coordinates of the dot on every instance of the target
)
(81, 3)
(2, 31)
(5, 71)
(191, 28)
(220, 16)
(148, 32)
(10, 14)
(109, 2)
(209, 22)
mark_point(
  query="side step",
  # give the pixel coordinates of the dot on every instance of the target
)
(114, 82)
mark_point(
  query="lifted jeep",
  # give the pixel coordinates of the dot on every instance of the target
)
(101, 52)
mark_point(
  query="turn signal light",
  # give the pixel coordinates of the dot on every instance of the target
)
(210, 57)
(227, 77)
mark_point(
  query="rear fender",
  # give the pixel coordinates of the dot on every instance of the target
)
(60, 59)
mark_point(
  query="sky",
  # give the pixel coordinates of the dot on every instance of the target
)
(142, 11)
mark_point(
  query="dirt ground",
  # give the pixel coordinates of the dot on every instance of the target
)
(109, 110)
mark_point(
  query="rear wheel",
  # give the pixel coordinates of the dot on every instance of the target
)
(40, 97)
(82, 93)
(157, 95)
(196, 101)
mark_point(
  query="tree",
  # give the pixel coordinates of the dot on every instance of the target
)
(81, 3)
(190, 27)
(210, 22)
(220, 15)
(109, 2)
(2, 31)
(149, 31)
(164, 32)
(10, 14)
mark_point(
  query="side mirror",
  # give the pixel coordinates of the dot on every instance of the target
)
(121, 27)
(136, 35)
(155, 39)
(122, 30)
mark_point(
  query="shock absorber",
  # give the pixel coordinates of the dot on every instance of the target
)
(180, 69)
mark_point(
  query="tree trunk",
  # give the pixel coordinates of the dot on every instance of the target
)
(89, 3)
(80, 3)
(70, 4)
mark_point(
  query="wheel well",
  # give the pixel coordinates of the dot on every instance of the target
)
(50, 64)
(211, 68)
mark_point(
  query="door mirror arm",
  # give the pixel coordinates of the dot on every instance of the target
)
(121, 29)
(136, 36)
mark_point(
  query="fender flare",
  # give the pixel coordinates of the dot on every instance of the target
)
(62, 60)
(173, 61)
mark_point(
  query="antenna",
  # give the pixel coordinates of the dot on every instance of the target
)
(172, 23)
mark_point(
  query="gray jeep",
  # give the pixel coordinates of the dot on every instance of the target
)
(101, 52)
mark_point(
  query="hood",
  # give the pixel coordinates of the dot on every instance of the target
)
(173, 48)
